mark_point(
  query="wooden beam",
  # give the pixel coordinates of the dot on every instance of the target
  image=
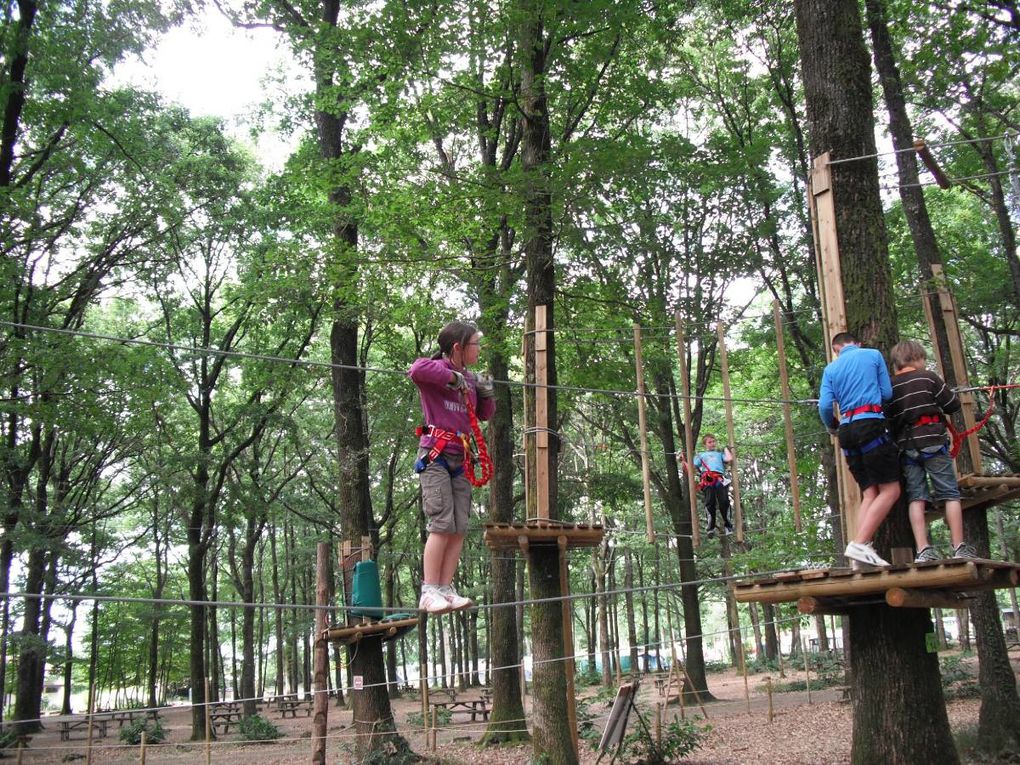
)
(899, 597)
(864, 583)
(542, 472)
(320, 676)
(825, 606)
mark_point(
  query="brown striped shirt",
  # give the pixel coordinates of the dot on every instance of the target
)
(916, 394)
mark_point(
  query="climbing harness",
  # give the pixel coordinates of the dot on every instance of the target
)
(709, 478)
(848, 417)
(871, 445)
(442, 437)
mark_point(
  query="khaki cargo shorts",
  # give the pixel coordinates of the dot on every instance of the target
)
(445, 498)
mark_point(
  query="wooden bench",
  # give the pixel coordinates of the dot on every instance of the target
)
(67, 727)
(224, 714)
(473, 707)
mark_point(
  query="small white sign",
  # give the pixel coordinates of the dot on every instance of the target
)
(359, 682)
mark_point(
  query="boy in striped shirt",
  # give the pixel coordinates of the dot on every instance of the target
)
(921, 400)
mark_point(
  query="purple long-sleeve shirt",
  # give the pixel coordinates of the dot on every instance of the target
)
(443, 406)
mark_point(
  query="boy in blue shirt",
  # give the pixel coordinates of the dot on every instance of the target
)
(714, 484)
(858, 381)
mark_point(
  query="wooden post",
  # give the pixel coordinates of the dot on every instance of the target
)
(830, 285)
(784, 381)
(92, 709)
(21, 751)
(738, 517)
(141, 753)
(768, 688)
(685, 385)
(956, 352)
(643, 432)
(208, 726)
(433, 729)
(541, 434)
(743, 665)
(807, 669)
(568, 640)
(320, 700)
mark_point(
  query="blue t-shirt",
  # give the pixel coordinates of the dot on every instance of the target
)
(710, 461)
(856, 378)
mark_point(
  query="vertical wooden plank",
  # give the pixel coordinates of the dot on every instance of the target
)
(952, 323)
(320, 699)
(542, 411)
(738, 515)
(830, 284)
(784, 382)
(685, 387)
(643, 432)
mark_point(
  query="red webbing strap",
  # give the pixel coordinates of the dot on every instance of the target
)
(709, 478)
(959, 438)
(483, 450)
(440, 439)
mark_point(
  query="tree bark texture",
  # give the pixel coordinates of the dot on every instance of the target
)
(900, 714)
(552, 738)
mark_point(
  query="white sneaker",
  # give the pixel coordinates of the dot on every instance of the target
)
(455, 601)
(864, 553)
(433, 602)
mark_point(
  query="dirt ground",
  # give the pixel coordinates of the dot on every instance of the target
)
(801, 733)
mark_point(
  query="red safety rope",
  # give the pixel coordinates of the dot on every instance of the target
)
(959, 438)
(483, 450)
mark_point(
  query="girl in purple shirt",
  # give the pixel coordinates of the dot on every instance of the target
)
(444, 383)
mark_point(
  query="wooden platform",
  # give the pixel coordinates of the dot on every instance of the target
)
(539, 532)
(942, 584)
(390, 629)
(988, 490)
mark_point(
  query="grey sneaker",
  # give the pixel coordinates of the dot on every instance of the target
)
(864, 553)
(964, 551)
(927, 554)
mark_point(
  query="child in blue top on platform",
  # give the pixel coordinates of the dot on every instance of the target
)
(920, 402)
(858, 381)
(714, 485)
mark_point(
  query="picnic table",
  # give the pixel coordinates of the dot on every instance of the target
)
(69, 725)
(122, 716)
(223, 714)
(474, 707)
(291, 706)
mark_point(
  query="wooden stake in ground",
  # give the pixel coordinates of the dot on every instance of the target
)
(646, 482)
(685, 386)
(92, 709)
(784, 382)
(208, 726)
(320, 698)
(738, 516)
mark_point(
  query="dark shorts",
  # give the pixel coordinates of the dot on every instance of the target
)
(880, 464)
(445, 498)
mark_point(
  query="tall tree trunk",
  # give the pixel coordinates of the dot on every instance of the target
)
(900, 715)
(277, 612)
(550, 717)
(999, 724)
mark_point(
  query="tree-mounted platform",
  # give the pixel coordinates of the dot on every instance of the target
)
(541, 532)
(940, 584)
(387, 629)
(981, 491)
